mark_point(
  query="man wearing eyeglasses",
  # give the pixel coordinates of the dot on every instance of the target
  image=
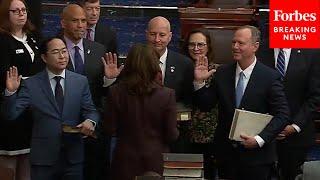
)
(56, 153)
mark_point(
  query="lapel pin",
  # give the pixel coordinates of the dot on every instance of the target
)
(172, 68)
(34, 41)
(88, 51)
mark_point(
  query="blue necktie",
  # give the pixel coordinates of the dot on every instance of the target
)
(281, 63)
(58, 92)
(78, 62)
(239, 89)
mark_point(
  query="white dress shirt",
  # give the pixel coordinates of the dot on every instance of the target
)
(53, 82)
(287, 52)
(163, 60)
(247, 74)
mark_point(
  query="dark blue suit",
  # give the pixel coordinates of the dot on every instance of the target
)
(302, 88)
(49, 145)
(263, 94)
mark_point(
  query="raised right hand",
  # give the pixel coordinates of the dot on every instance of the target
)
(201, 69)
(111, 69)
(13, 79)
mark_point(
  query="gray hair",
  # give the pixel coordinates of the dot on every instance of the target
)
(255, 32)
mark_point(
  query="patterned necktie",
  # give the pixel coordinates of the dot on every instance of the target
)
(58, 91)
(78, 62)
(239, 89)
(89, 37)
(281, 63)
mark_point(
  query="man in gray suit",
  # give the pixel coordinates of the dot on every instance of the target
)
(85, 59)
(56, 153)
(85, 55)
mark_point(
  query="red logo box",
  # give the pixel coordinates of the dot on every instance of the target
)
(294, 24)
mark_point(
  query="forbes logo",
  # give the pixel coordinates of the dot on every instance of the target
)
(279, 15)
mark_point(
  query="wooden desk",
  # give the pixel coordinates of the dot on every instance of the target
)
(6, 173)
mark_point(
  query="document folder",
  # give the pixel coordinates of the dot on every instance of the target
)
(247, 123)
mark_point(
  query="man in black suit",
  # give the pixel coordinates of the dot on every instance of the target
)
(250, 85)
(301, 79)
(85, 58)
(96, 30)
(177, 69)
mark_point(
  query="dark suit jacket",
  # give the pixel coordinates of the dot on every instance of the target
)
(14, 53)
(179, 76)
(36, 94)
(144, 127)
(94, 69)
(106, 36)
(302, 88)
(263, 94)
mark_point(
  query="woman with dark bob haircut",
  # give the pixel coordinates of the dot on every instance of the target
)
(141, 113)
(198, 44)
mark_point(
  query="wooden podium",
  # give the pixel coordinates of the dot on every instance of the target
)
(6, 173)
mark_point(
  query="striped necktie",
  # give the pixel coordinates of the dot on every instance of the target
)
(281, 63)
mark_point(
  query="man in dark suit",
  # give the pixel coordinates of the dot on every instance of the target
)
(96, 30)
(85, 58)
(89, 53)
(54, 102)
(250, 85)
(301, 79)
(177, 69)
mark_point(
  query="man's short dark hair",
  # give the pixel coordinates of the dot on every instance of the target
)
(44, 44)
(82, 2)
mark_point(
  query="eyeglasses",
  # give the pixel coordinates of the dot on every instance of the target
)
(192, 45)
(58, 51)
(18, 11)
